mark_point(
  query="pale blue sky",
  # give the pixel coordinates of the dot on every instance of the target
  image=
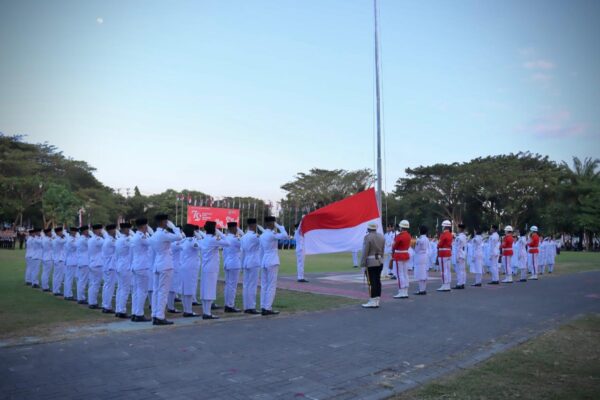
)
(236, 97)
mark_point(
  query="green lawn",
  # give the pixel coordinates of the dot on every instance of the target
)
(561, 364)
(26, 311)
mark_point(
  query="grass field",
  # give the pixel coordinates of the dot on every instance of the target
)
(26, 311)
(561, 364)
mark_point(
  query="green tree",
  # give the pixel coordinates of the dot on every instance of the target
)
(59, 205)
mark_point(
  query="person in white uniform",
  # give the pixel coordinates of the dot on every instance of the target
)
(299, 238)
(124, 275)
(422, 260)
(140, 265)
(232, 264)
(58, 251)
(550, 254)
(476, 267)
(189, 263)
(95, 243)
(251, 259)
(389, 237)
(460, 244)
(209, 272)
(36, 258)
(176, 281)
(70, 263)
(433, 254)
(46, 259)
(109, 268)
(270, 263)
(494, 243)
(29, 256)
(522, 255)
(83, 264)
(166, 233)
(541, 256)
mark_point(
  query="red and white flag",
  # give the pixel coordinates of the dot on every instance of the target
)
(340, 226)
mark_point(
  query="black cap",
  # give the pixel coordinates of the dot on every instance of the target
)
(461, 226)
(209, 224)
(47, 230)
(141, 221)
(58, 229)
(110, 227)
(97, 226)
(84, 228)
(31, 231)
(161, 217)
(124, 225)
(423, 230)
(73, 229)
(189, 229)
(270, 219)
(251, 221)
(232, 224)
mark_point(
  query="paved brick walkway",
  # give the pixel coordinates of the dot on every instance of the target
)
(342, 354)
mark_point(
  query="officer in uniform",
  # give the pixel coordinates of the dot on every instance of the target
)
(270, 263)
(533, 249)
(460, 244)
(95, 243)
(109, 268)
(401, 258)
(83, 264)
(123, 266)
(494, 249)
(507, 253)
(46, 259)
(250, 244)
(189, 262)
(209, 273)
(444, 251)
(299, 238)
(476, 267)
(422, 249)
(231, 264)
(140, 265)
(58, 251)
(390, 236)
(70, 263)
(372, 263)
(28, 256)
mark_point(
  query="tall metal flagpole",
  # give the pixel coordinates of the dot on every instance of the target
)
(378, 110)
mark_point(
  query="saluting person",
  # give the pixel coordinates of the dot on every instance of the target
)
(109, 268)
(95, 243)
(251, 259)
(123, 266)
(209, 272)
(83, 264)
(58, 251)
(28, 256)
(400, 259)
(270, 263)
(445, 255)
(189, 263)
(232, 265)
(140, 265)
(46, 259)
(70, 263)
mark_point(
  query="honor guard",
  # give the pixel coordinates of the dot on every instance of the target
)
(189, 268)
(270, 263)
(140, 265)
(251, 259)
(231, 264)
(372, 263)
(109, 268)
(83, 264)
(95, 243)
(460, 244)
(209, 272)
(46, 259)
(58, 251)
(533, 249)
(494, 243)
(422, 249)
(507, 253)
(444, 251)
(123, 264)
(70, 263)
(400, 259)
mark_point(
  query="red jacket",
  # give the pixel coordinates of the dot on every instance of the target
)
(534, 242)
(445, 244)
(507, 245)
(400, 247)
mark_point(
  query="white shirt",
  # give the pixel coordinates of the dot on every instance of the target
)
(140, 251)
(232, 253)
(123, 253)
(251, 257)
(210, 252)
(46, 248)
(190, 253)
(109, 257)
(176, 251)
(494, 244)
(71, 251)
(58, 248)
(461, 246)
(95, 243)
(83, 258)
(477, 246)
(28, 247)
(161, 244)
(268, 245)
(389, 242)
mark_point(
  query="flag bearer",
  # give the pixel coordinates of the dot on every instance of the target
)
(46, 259)
(401, 259)
(533, 249)
(507, 253)
(109, 268)
(70, 263)
(476, 267)
(422, 249)
(83, 264)
(231, 264)
(123, 265)
(58, 251)
(444, 255)
(95, 243)
(372, 263)
(494, 243)
(189, 268)
(251, 259)
(270, 263)
(460, 244)
(140, 265)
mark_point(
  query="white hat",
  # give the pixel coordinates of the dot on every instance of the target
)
(533, 228)
(404, 224)
(372, 226)
(446, 223)
(508, 228)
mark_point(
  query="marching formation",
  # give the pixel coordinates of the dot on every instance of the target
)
(156, 266)
(395, 253)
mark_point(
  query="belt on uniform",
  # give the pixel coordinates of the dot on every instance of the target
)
(373, 257)
(532, 247)
(442, 248)
(400, 251)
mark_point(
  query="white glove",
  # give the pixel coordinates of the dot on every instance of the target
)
(171, 225)
(240, 232)
(150, 230)
(260, 228)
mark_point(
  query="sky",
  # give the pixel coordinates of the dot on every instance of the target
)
(237, 97)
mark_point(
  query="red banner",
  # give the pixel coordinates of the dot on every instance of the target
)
(199, 216)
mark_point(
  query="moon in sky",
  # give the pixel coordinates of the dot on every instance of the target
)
(100, 20)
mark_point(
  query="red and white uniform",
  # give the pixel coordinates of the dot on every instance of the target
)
(507, 252)
(533, 249)
(401, 257)
(444, 255)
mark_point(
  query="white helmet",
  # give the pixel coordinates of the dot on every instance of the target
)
(404, 224)
(508, 228)
(533, 228)
(446, 223)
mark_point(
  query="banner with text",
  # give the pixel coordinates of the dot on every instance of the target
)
(199, 216)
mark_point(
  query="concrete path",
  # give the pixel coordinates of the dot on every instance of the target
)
(347, 353)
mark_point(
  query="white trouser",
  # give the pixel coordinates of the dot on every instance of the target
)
(494, 268)
(35, 271)
(187, 303)
(446, 272)
(139, 292)
(401, 268)
(533, 263)
(461, 272)
(95, 283)
(477, 277)
(28, 267)
(162, 285)
(123, 290)
(355, 258)
(507, 265)
(551, 267)
(268, 286)
(232, 277)
(70, 271)
(387, 257)
(108, 290)
(83, 276)
(46, 271)
(250, 285)
(300, 264)
(58, 276)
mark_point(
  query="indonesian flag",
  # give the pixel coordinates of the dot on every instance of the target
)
(340, 226)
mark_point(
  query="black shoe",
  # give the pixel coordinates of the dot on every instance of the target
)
(58, 294)
(93, 306)
(177, 300)
(158, 321)
(82, 302)
(459, 287)
(392, 277)
(107, 311)
(174, 311)
(251, 311)
(195, 303)
(356, 266)
(269, 312)
(27, 283)
(68, 298)
(215, 306)
(231, 310)
(206, 316)
(302, 280)
(476, 285)
(190, 315)
(137, 318)
(493, 283)
(35, 286)
(121, 315)
(522, 280)
(45, 290)
(423, 293)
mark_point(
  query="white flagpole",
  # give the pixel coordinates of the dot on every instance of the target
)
(378, 109)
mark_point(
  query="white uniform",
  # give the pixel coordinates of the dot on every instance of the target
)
(109, 271)
(28, 258)
(163, 268)
(387, 253)
(83, 267)
(209, 272)
(188, 272)
(124, 275)
(36, 259)
(251, 260)
(433, 255)
(176, 281)
(70, 265)
(494, 244)
(476, 267)
(550, 255)
(270, 265)
(422, 259)
(46, 261)
(140, 265)
(58, 251)
(299, 254)
(95, 244)
(460, 244)
(231, 264)
(522, 256)
(542, 256)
